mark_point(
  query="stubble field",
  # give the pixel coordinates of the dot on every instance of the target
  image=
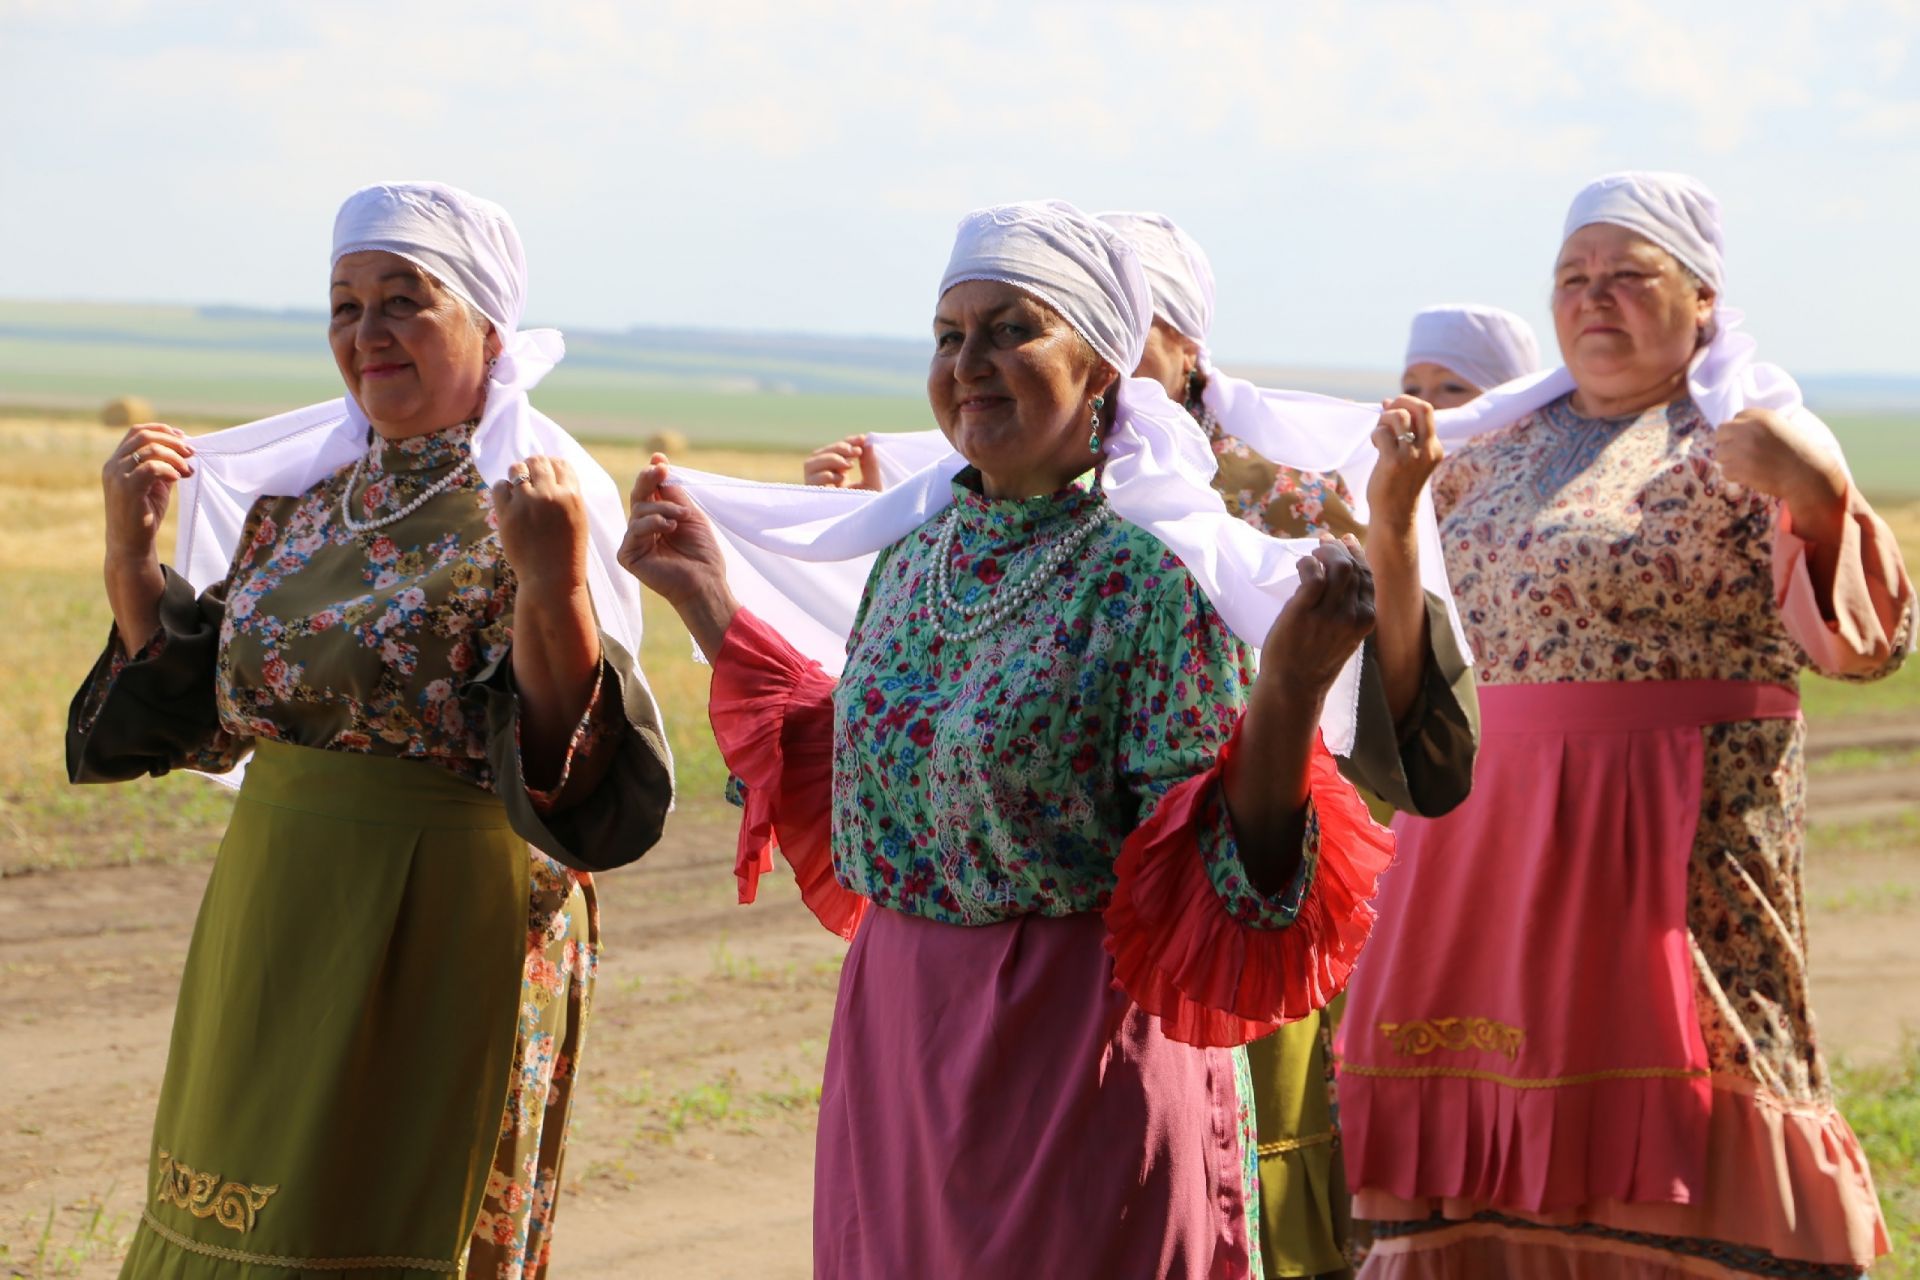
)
(693, 1137)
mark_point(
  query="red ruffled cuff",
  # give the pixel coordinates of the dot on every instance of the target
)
(1211, 980)
(772, 714)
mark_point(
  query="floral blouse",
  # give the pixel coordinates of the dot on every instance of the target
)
(1282, 501)
(979, 780)
(394, 641)
(1613, 549)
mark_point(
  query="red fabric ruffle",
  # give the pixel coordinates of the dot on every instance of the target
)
(1212, 980)
(772, 714)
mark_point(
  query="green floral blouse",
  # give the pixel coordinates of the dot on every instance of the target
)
(980, 780)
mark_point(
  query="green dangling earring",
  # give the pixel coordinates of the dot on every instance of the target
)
(1093, 440)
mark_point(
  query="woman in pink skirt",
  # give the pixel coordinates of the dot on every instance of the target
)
(1581, 1044)
(1082, 852)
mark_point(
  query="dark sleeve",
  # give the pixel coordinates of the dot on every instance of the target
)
(1424, 764)
(153, 711)
(621, 818)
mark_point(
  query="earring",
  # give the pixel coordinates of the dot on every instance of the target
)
(1093, 439)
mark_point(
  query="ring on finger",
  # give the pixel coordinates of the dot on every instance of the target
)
(1406, 437)
(523, 477)
(139, 455)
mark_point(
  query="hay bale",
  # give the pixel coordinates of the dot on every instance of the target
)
(127, 411)
(667, 442)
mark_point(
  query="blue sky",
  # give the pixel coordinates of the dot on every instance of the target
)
(795, 165)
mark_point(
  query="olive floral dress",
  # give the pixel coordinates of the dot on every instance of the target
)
(382, 1014)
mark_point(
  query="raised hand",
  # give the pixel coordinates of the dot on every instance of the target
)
(1409, 453)
(543, 525)
(844, 464)
(672, 548)
(1326, 620)
(138, 479)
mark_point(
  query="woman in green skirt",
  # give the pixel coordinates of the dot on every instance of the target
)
(406, 629)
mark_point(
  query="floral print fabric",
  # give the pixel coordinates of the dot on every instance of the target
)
(979, 780)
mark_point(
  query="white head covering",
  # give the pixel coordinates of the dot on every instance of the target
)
(1485, 345)
(799, 556)
(1178, 273)
(470, 246)
(1673, 210)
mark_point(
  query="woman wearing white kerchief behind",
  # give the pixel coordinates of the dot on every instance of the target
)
(410, 618)
(1581, 1043)
(1015, 799)
(1459, 350)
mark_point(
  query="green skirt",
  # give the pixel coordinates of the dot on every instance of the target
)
(1305, 1210)
(346, 1027)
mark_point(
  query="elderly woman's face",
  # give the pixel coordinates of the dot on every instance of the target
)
(1170, 356)
(1438, 385)
(407, 348)
(1010, 383)
(1627, 316)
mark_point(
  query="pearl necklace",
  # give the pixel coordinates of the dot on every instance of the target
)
(426, 495)
(993, 612)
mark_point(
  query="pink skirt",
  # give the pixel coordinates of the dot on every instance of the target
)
(1522, 1031)
(994, 1108)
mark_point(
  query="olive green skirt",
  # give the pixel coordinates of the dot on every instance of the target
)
(1305, 1210)
(340, 1053)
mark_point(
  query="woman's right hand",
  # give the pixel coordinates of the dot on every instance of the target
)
(138, 480)
(672, 548)
(844, 464)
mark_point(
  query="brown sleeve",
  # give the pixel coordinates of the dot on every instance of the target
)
(622, 816)
(153, 711)
(1424, 764)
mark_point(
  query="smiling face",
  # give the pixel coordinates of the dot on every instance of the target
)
(1010, 384)
(1628, 318)
(407, 347)
(1438, 385)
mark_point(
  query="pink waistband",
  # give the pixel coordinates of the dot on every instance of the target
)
(1631, 704)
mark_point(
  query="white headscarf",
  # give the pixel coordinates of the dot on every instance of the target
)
(470, 246)
(1178, 273)
(799, 556)
(1487, 346)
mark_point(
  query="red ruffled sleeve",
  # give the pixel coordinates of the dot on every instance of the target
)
(772, 714)
(1215, 980)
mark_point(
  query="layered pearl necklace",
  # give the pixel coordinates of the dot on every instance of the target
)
(977, 620)
(420, 500)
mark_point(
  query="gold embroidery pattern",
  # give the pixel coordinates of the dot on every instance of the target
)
(1416, 1039)
(220, 1254)
(1280, 1146)
(1526, 1082)
(232, 1204)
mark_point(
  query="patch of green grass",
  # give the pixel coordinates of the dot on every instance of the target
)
(1823, 700)
(1887, 896)
(1901, 831)
(1864, 760)
(58, 1245)
(1882, 1103)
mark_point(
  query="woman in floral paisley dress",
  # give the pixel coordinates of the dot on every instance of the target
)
(1581, 1044)
(1015, 801)
(381, 1017)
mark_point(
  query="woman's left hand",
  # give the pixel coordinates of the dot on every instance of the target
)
(543, 524)
(1763, 451)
